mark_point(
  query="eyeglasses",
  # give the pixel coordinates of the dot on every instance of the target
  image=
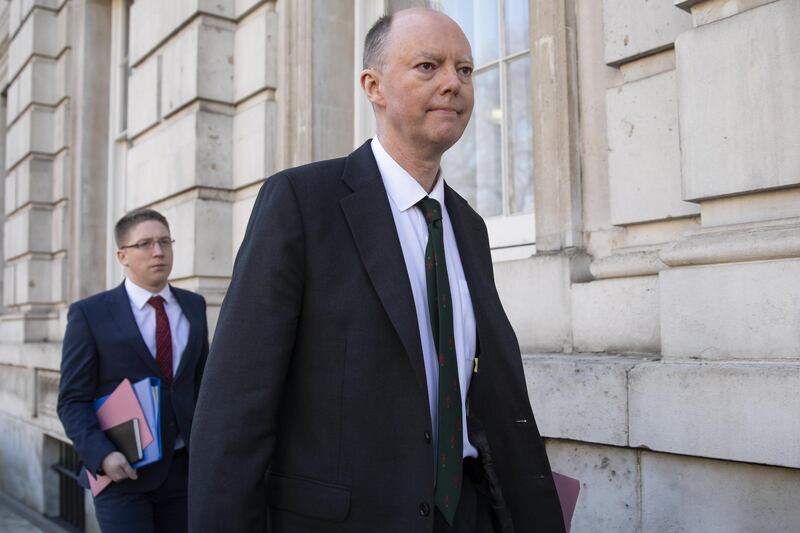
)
(149, 244)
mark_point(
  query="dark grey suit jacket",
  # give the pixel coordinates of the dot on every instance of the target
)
(313, 414)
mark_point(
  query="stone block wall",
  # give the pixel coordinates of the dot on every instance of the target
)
(658, 318)
(666, 380)
(36, 145)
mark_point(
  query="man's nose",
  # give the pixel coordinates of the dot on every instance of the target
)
(157, 249)
(450, 80)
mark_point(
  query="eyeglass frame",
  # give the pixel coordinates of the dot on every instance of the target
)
(149, 244)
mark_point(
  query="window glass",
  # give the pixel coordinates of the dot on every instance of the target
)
(479, 22)
(520, 134)
(516, 17)
(458, 166)
(488, 119)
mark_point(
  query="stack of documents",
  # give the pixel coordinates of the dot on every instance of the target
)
(136, 405)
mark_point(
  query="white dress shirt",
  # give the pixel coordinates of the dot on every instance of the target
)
(404, 192)
(145, 316)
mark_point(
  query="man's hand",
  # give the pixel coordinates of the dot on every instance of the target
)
(117, 468)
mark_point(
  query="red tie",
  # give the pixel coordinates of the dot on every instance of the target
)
(163, 338)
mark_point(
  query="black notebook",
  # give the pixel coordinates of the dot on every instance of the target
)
(126, 438)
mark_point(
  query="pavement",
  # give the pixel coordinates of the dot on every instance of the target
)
(11, 522)
(17, 518)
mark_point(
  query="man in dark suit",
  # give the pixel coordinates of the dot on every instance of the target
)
(143, 328)
(363, 376)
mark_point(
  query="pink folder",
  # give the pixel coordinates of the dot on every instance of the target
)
(97, 484)
(121, 406)
(567, 489)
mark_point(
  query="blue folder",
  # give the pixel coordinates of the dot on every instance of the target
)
(148, 392)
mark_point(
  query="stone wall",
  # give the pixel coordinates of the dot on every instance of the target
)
(667, 379)
(658, 317)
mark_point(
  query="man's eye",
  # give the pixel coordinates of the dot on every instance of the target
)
(466, 71)
(425, 66)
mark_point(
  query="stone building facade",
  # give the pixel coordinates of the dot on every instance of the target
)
(638, 164)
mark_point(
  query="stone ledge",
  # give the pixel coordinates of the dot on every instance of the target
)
(686, 5)
(748, 243)
(581, 397)
(708, 11)
(743, 412)
(623, 264)
(720, 245)
(735, 411)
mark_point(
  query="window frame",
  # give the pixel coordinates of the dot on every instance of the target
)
(508, 230)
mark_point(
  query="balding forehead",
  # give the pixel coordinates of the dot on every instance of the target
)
(424, 12)
(413, 18)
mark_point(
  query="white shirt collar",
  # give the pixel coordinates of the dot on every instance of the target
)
(139, 296)
(402, 188)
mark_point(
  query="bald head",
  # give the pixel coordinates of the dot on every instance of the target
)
(376, 41)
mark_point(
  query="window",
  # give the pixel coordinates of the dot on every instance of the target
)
(492, 165)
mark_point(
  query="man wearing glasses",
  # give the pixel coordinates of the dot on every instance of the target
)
(142, 328)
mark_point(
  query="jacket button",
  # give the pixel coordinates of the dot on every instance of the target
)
(424, 509)
(428, 437)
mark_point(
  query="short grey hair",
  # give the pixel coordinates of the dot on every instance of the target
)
(375, 42)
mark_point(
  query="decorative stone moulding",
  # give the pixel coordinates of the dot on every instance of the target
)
(753, 244)
(777, 240)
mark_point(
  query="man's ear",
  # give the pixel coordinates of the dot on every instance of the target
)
(122, 258)
(371, 84)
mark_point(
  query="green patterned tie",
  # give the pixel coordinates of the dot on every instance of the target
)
(450, 441)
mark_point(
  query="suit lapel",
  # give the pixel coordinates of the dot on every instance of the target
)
(192, 343)
(119, 307)
(371, 223)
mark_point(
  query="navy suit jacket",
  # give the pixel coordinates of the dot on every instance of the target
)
(103, 346)
(314, 413)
